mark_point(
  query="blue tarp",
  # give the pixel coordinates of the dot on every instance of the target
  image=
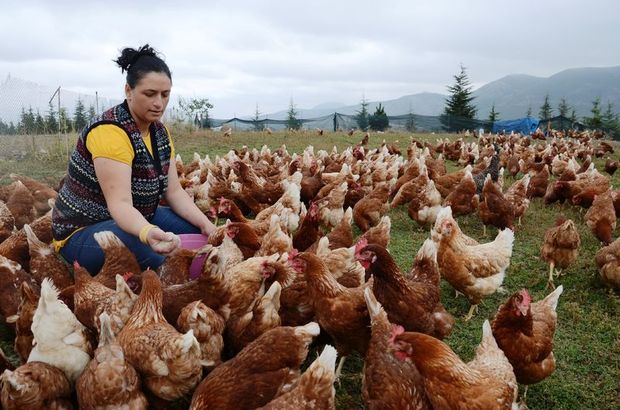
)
(525, 126)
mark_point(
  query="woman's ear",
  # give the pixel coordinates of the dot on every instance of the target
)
(127, 92)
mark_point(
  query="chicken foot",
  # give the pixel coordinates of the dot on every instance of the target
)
(550, 283)
(339, 369)
(470, 314)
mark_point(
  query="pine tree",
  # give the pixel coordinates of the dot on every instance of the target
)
(459, 103)
(79, 116)
(595, 121)
(573, 117)
(493, 115)
(258, 126)
(528, 114)
(563, 108)
(39, 124)
(610, 120)
(379, 121)
(91, 112)
(546, 111)
(51, 122)
(361, 116)
(4, 128)
(64, 122)
(291, 120)
(27, 122)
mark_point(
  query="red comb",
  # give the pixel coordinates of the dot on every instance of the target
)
(76, 265)
(291, 255)
(127, 276)
(527, 299)
(361, 244)
(396, 330)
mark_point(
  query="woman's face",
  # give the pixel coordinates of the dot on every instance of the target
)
(149, 98)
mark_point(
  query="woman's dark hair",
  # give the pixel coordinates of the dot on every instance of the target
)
(140, 62)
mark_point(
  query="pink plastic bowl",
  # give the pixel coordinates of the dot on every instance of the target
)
(195, 241)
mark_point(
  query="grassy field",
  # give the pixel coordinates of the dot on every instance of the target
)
(587, 342)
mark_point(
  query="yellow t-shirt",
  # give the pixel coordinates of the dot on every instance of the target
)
(111, 141)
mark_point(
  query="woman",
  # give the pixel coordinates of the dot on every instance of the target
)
(121, 168)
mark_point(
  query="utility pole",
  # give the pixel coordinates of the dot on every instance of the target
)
(97, 102)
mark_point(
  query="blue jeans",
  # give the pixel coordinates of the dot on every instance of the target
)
(83, 248)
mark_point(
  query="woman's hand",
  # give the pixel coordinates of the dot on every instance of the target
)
(207, 228)
(162, 242)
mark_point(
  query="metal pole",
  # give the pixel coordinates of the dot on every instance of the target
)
(96, 103)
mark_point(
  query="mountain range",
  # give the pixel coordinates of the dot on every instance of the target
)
(512, 95)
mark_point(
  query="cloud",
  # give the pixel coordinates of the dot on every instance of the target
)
(243, 53)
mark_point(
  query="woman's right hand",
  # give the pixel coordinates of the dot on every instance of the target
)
(162, 242)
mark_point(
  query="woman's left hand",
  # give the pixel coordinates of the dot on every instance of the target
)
(207, 228)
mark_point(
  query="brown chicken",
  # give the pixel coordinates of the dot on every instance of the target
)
(494, 208)
(109, 381)
(524, 331)
(23, 321)
(275, 240)
(487, 382)
(41, 192)
(208, 328)
(259, 372)
(445, 183)
(242, 234)
(175, 269)
(560, 246)
(45, 263)
(608, 262)
(21, 205)
(35, 385)
(308, 231)
(342, 264)
(611, 166)
(15, 247)
(464, 198)
(7, 222)
(11, 277)
(388, 383)
(538, 183)
(342, 234)
(601, 217)
(411, 302)
(380, 233)
(340, 311)
(517, 196)
(369, 210)
(315, 388)
(476, 270)
(168, 361)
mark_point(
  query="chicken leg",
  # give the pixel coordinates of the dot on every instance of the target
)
(472, 309)
(550, 283)
(339, 369)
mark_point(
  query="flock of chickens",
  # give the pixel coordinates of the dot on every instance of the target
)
(294, 276)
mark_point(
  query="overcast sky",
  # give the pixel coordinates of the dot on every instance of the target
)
(243, 53)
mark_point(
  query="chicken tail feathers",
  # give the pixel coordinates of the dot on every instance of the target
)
(552, 298)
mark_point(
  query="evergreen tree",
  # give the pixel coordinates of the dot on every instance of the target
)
(573, 117)
(410, 124)
(64, 122)
(529, 112)
(12, 128)
(493, 115)
(610, 120)
(79, 116)
(39, 124)
(361, 116)
(258, 126)
(4, 128)
(459, 103)
(197, 110)
(91, 112)
(379, 121)
(595, 121)
(545, 110)
(563, 108)
(51, 122)
(292, 122)
(27, 122)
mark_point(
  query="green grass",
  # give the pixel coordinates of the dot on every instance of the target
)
(587, 342)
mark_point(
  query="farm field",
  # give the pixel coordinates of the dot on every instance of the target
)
(587, 341)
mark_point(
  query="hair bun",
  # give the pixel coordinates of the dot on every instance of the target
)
(130, 55)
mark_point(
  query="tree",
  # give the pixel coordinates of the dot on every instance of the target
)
(51, 122)
(563, 108)
(379, 121)
(196, 108)
(610, 120)
(258, 126)
(64, 122)
(595, 121)
(493, 115)
(361, 116)
(79, 116)
(529, 112)
(39, 124)
(292, 122)
(91, 112)
(573, 117)
(459, 103)
(545, 110)
(27, 122)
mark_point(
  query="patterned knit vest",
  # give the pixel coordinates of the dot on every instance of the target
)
(80, 201)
